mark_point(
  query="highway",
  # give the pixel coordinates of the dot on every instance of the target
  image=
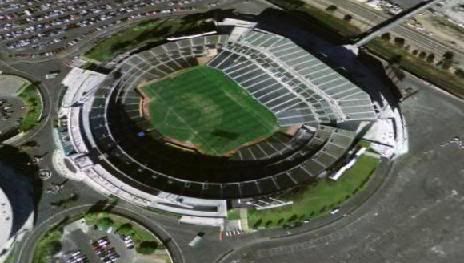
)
(418, 38)
(393, 22)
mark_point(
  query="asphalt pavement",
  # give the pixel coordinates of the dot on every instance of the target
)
(416, 216)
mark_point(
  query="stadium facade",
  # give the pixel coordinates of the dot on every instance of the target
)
(104, 134)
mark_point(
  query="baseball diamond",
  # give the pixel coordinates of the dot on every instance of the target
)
(204, 108)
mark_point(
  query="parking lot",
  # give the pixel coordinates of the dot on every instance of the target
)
(94, 245)
(43, 28)
(12, 108)
(11, 111)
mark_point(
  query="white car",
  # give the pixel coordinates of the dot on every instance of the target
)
(334, 211)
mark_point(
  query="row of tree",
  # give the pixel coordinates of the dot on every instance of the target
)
(446, 61)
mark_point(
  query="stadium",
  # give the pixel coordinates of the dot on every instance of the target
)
(219, 116)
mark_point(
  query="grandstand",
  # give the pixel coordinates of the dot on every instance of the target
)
(293, 84)
(305, 95)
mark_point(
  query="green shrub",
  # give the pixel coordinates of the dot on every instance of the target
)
(105, 223)
(126, 230)
(147, 247)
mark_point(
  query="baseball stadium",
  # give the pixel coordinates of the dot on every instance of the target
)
(222, 116)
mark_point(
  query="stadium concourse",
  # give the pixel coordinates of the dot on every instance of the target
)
(106, 137)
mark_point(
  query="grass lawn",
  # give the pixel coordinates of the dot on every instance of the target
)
(316, 199)
(205, 108)
(31, 97)
(152, 31)
(48, 245)
(364, 144)
(233, 214)
(442, 78)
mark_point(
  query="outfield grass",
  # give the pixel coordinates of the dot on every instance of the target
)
(317, 199)
(31, 97)
(153, 31)
(204, 108)
(440, 77)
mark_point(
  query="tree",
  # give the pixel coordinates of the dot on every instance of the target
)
(268, 223)
(422, 55)
(348, 17)
(258, 223)
(292, 218)
(448, 59)
(386, 36)
(399, 41)
(449, 55)
(430, 58)
(53, 248)
(105, 223)
(331, 8)
(147, 247)
(125, 230)
(459, 72)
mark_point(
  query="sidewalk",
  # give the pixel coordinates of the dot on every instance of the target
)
(244, 219)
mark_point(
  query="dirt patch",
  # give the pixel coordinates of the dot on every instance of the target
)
(144, 106)
(181, 144)
(292, 130)
(210, 55)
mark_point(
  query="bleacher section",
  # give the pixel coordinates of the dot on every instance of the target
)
(296, 86)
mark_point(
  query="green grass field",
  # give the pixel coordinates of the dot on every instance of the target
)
(317, 199)
(152, 31)
(31, 97)
(203, 107)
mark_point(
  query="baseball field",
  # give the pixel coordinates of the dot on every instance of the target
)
(203, 108)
